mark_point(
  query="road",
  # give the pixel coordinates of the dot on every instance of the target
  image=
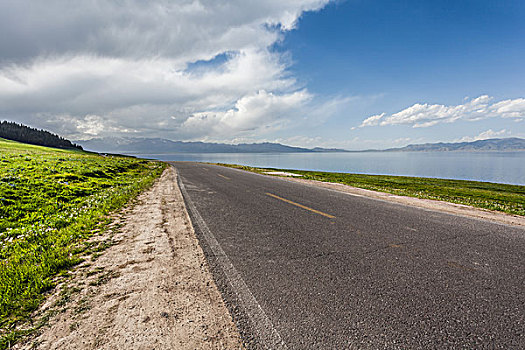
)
(302, 267)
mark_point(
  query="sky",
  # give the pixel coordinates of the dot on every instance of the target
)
(354, 74)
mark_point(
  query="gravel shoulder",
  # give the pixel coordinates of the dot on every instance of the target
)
(446, 207)
(151, 289)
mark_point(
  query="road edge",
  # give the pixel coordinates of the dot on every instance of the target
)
(260, 324)
(150, 286)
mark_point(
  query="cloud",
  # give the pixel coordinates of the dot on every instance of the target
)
(105, 67)
(373, 120)
(84, 128)
(84, 84)
(425, 115)
(510, 108)
(488, 134)
(260, 112)
(185, 30)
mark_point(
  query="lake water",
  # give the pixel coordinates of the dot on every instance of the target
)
(503, 167)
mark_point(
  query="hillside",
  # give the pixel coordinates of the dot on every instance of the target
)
(162, 146)
(507, 144)
(21, 133)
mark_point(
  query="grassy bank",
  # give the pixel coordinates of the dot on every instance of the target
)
(493, 196)
(50, 202)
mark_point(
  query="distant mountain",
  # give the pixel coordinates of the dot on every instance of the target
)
(319, 149)
(132, 145)
(508, 144)
(21, 133)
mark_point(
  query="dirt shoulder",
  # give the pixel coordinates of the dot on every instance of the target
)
(151, 289)
(446, 207)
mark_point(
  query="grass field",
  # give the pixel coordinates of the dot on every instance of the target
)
(51, 201)
(493, 196)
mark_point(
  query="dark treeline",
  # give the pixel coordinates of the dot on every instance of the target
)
(22, 133)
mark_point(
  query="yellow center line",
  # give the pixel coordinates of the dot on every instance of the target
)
(227, 178)
(300, 205)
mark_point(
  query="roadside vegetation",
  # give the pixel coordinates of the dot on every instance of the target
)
(51, 202)
(492, 196)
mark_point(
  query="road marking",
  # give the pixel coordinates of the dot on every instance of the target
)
(395, 245)
(225, 177)
(263, 326)
(205, 169)
(300, 205)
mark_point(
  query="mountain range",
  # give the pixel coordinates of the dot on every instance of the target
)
(164, 146)
(135, 145)
(131, 145)
(506, 144)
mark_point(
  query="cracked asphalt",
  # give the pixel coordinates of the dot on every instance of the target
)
(368, 274)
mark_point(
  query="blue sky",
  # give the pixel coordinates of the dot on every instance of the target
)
(423, 49)
(351, 73)
(394, 54)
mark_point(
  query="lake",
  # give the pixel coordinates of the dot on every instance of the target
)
(503, 167)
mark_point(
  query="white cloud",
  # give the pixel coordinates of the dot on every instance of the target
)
(355, 143)
(260, 112)
(301, 141)
(184, 30)
(86, 127)
(488, 134)
(425, 115)
(129, 63)
(373, 120)
(510, 108)
(360, 143)
(85, 84)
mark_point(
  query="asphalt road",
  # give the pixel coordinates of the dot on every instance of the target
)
(303, 267)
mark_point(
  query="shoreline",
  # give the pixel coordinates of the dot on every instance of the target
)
(490, 167)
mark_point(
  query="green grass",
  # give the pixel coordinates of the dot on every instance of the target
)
(51, 201)
(493, 196)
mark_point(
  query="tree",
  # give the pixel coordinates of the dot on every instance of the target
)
(26, 134)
